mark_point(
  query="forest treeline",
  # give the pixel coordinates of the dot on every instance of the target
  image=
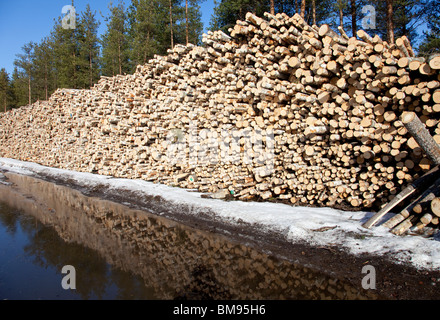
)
(135, 32)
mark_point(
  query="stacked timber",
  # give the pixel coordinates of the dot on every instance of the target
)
(421, 191)
(418, 215)
(277, 110)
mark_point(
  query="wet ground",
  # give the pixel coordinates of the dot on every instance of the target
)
(177, 255)
(32, 256)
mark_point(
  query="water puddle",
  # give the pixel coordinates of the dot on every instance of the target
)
(123, 253)
(32, 256)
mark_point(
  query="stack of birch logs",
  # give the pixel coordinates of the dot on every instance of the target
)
(345, 98)
(281, 110)
(421, 210)
(415, 217)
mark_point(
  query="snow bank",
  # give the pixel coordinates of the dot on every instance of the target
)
(317, 226)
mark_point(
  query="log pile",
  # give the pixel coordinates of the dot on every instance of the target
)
(277, 110)
(419, 214)
(421, 210)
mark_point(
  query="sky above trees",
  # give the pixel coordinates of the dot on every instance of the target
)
(22, 21)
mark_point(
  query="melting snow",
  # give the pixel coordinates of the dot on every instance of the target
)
(317, 226)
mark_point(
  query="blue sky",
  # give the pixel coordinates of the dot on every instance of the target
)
(22, 21)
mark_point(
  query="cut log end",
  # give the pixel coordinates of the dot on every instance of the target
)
(408, 117)
(434, 62)
(435, 206)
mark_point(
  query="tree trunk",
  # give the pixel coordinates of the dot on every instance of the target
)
(303, 8)
(187, 23)
(390, 24)
(119, 58)
(91, 68)
(29, 84)
(353, 18)
(341, 17)
(272, 6)
(74, 70)
(147, 45)
(45, 81)
(171, 24)
(314, 11)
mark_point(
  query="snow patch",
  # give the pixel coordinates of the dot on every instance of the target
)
(317, 226)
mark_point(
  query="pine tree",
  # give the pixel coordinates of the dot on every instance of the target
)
(303, 8)
(431, 41)
(143, 29)
(88, 48)
(43, 69)
(66, 55)
(227, 12)
(402, 18)
(389, 21)
(186, 23)
(115, 51)
(19, 87)
(353, 10)
(24, 63)
(341, 6)
(154, 28)
(409, 15)
(5, 90)
(169, 14)
(68, 58)
(171, 22)
(195, 25)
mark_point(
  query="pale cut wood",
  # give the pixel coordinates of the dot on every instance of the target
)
(426, 218)
(414, 65)
(434, 61)
(403, 62)
(427, 179)
(433, 84)
(364, 36)
(394, 221)
(435, 206)
(425, 69)
(436, 96)
(426, 196)
(424, 221)
(408, 46)
(401, 45)
(418, 130)
(325, 30)
(343, 33)
(331, 102)
(294, 62)
(404, 226)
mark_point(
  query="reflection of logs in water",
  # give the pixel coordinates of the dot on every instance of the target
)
(176, 260)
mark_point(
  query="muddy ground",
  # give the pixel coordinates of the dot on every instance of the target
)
(394, 280)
